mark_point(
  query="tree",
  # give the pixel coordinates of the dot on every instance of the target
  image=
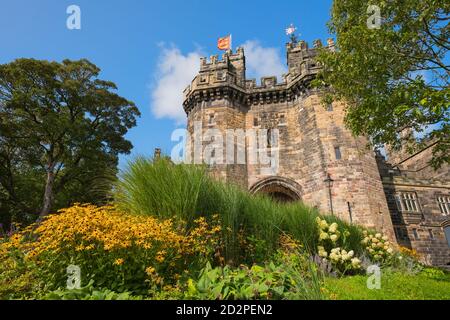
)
(395, 77)
(59, 122)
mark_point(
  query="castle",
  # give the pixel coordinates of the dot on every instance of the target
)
(319, 161)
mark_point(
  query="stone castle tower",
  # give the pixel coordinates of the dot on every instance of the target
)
(319, 161)
(313, 157)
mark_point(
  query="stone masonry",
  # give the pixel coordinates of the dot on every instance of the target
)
(319, 161)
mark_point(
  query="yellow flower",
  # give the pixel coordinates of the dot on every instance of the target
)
(333, 227)
(322, 252)
(323, 224)
(323, 236)
(334, 237)
(119, 261)
(356, 262)
(150, 271)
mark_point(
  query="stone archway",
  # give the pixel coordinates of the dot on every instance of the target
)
(279, 188)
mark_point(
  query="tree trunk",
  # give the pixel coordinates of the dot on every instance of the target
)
(48, 194)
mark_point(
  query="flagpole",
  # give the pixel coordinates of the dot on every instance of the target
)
(231, 42)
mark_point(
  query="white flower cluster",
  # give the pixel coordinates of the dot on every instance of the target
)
(328, 231)
(378, 246)
(328, 236)
(340, 255)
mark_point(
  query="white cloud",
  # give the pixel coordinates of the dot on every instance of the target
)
(262, 62)
(175, 72)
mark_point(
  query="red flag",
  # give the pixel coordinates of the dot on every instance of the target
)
(224, 43)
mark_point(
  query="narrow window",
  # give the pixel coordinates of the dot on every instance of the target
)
(255, 121)
(444, 204)
(397, 233)
(430, 232)
(211, 118)
(269, 138)
(404, 233)
(282, 119)
(337, 153)
(416, 235)
(398, 201)
(400, 233)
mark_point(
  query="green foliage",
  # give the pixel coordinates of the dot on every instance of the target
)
(394, 286)
(435, 273)
(293, 277)
(395, 77)
(61, 130)
(185, 192)
(18, 279)
(89, 293)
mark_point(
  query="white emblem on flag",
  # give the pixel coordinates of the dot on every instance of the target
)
(290, 30)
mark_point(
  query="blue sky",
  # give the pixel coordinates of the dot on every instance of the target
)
(150, 48)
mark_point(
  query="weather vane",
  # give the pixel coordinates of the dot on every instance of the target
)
(290, 31)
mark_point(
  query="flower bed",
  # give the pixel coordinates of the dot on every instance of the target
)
(113, 249)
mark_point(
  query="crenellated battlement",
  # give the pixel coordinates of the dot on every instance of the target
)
(304, 46)
(266, 83)
(215, 62)
(228, 73)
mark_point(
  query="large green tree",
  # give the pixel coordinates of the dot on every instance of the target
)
(61, 131)
(394, 75)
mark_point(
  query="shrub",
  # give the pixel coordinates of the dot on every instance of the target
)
(116, 250)
(331, 239)
(18, 278)
(411, 253)
(377, 246)
(283, 279)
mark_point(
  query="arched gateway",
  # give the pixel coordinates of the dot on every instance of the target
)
(279, 188)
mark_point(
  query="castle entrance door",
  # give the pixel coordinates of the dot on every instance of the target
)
(278, 188)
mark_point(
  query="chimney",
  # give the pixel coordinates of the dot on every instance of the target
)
(157, 153)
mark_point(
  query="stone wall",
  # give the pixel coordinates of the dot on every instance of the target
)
(422, 231)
